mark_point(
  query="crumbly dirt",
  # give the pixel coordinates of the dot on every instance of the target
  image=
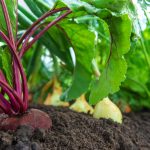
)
(77, 131)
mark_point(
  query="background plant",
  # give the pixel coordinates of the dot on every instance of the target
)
(88, 17)
(135, 90)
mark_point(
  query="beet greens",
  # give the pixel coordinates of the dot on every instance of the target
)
(14, 98)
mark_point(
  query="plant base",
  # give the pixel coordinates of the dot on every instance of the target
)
(34, 118)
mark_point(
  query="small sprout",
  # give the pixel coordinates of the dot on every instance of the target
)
(81, 105)
(107, 109)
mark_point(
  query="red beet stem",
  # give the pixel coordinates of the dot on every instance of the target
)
(7, 19)
(22, 51)
(38, 21)
(16, 78)
(17, 60)
(14, 98)
(2, 77)
(5, 105)
(45, 29)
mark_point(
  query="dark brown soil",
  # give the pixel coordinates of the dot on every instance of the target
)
(74, 131)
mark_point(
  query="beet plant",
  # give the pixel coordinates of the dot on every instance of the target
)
(14, 95)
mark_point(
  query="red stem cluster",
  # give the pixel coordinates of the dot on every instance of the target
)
(18, 92)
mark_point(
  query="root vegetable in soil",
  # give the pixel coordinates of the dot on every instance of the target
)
(77, 131)
(14, 98)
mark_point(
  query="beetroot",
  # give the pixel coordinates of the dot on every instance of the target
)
(34, 118)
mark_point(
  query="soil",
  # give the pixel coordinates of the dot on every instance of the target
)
(77, 131)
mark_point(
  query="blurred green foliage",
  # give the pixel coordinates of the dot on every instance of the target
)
(98, 31)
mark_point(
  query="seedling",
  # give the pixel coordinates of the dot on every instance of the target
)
(14, 98)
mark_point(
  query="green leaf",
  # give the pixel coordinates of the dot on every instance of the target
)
(136, 60)
(5, 64)
(77, 5)
(120, 30)
(103, 9)
(113, 5)
(109, 81)
(26, 13)
(33, 7)
(84, 52)
(11, 6)
(2, 22)
(2, 44)
(114, 73)
(43, 6)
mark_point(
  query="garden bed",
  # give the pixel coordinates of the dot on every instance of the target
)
(74, 131)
